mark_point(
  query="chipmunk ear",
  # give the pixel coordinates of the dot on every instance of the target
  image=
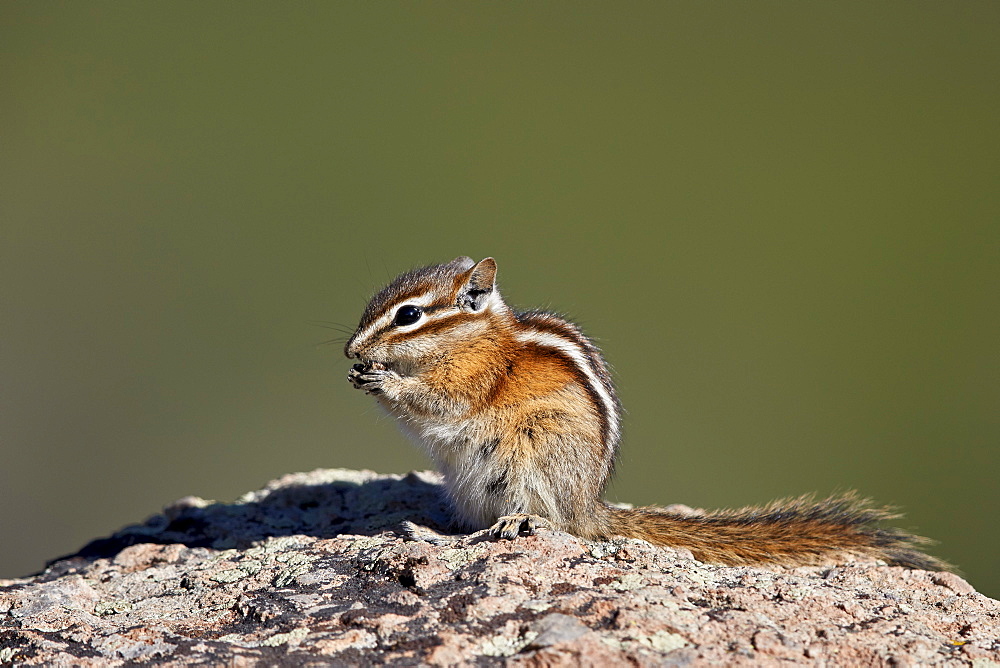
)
(480, 282)
(462, 263)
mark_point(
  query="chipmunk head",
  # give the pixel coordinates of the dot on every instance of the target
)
(414, 319)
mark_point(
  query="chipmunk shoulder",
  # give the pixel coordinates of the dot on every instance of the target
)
(519, 413)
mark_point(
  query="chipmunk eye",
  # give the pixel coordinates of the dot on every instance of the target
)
(407, 315)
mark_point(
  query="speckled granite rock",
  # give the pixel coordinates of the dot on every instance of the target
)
(310, 571)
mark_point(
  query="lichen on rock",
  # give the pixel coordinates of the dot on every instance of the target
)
(313, 569)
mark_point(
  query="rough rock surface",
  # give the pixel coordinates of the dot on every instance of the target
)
(310, 570)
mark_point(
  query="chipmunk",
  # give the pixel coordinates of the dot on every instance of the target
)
(520, 415)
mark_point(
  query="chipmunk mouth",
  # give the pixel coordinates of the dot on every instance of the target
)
(369, 364)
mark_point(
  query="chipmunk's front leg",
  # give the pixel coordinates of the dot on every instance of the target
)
(410, 392)
(375, 378)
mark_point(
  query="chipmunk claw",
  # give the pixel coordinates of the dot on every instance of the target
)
(511, 526)
(370, 377)
(417, 532)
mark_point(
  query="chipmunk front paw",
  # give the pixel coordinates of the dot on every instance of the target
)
(371, 377)
(511, 526)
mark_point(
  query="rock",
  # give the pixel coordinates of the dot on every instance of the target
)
(313, 569)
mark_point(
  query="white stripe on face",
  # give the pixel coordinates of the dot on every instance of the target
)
(389, 314)
(494, 303)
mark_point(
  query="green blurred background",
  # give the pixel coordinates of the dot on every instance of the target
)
(780, 221)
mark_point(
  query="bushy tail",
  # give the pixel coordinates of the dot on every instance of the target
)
(793, 532)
